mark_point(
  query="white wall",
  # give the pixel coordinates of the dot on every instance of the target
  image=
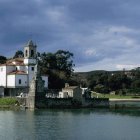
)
(45, 78)
(3, 76)
(69, 91)
(63, 95)
(26, 69)
(21, 68)
(23, 79)
(29, 61)
(11, 81)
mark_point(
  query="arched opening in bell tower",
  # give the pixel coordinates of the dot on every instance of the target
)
(32, 53)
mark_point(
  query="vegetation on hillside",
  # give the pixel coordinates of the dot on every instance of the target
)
(121, 82)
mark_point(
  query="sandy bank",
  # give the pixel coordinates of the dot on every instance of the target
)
(132, 100)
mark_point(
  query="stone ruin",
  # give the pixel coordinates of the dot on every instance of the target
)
(36, 90)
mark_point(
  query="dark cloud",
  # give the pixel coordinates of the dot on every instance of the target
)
(96, 31)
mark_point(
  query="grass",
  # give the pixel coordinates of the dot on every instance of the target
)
(114, 96)
(7, 101)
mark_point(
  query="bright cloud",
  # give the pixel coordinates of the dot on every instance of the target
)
(127, 66)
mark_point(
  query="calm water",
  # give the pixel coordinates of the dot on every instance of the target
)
(81, 124)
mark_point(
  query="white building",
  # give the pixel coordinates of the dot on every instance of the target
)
(16, 74)
(74, 92)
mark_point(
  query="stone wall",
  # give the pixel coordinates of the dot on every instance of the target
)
(42, 102)
(95, 102)
(70, 103)
(53, 102)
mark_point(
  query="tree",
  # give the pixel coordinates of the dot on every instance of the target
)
(59, 67)
(2, 59)
(18, 54)
(63, 56)
(60, 61)
(100, 89)
(115, 82)
(64, 61)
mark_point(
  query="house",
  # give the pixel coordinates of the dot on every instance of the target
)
(74, 92)
(16, 74)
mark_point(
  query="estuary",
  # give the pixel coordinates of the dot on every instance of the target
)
(72, 124)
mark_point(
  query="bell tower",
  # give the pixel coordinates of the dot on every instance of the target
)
(30, 53)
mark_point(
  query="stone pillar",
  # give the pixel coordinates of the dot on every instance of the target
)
(36, 90)
(36, 93)
(31, 95)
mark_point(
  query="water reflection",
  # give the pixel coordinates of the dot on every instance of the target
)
(125, 108)
(14, 124)
(107, 124)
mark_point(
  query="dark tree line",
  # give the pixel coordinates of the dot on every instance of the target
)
(120, 82)
(2, 59)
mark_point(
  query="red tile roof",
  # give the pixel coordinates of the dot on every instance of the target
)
(14, 62)
(17, 72)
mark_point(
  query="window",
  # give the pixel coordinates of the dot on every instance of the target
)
(19, 81)
(32, 68)
(32, 53)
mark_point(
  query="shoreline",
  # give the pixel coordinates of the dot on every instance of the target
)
(132, 100)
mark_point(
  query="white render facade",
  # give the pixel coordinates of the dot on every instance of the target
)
(18, 73)
(74, 92)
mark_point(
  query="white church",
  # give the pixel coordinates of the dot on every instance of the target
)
(16, 74)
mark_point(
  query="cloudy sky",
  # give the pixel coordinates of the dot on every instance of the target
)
(102, 34)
